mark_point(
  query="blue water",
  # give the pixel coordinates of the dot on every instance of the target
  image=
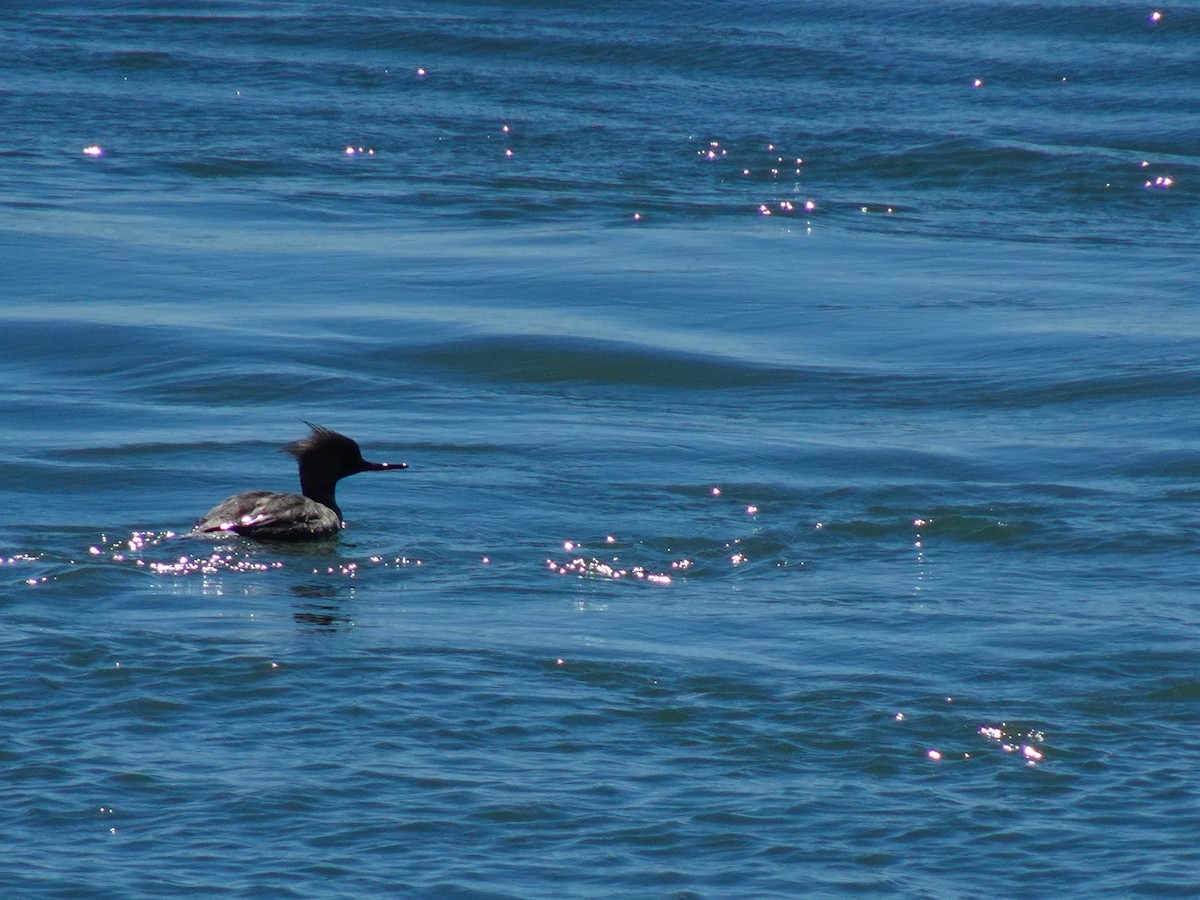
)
(800, 401)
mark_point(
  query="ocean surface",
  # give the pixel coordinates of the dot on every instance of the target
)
(800, 402)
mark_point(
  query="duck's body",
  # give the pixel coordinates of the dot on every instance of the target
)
(324, 457)
(271, 515)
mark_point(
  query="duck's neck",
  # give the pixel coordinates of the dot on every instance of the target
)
(319, 487)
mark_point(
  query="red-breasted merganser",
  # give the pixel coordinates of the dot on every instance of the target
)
(324, 457)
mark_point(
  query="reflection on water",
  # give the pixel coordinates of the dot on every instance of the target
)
(319, 606)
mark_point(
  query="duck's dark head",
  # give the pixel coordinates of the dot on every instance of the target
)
(326, 456)
(335, 453)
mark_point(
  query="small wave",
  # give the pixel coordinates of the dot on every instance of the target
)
(555, 359)
(240, 385)
(1118, 386)
(234, 168)
(957, 158)
(144, 60)
(971, 526)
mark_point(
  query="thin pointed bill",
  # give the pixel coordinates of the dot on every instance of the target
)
(381, 467)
